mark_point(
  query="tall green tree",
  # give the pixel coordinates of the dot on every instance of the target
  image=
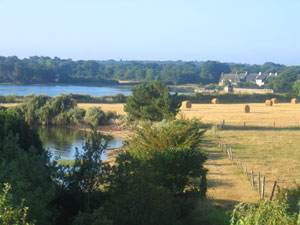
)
(152, 102)
(26, 166)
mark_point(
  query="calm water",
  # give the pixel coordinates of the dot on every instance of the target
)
(56, 90)
(63, 141)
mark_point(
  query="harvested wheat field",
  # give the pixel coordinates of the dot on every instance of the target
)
(273, 153)
(8, 104)
(118, 107)
(283, 114)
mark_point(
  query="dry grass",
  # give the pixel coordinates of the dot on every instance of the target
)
(118, 108)
(273, 153)
(8, 104)
(226, 184)
(283, 114)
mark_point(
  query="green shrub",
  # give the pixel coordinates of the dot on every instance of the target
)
(95, 116)
(136, 195)
(176, 168)
(75, 115)
(266, 212)
(10, 213)
(152, 102)
(159, 137)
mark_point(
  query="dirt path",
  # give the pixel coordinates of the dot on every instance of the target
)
(226, 184)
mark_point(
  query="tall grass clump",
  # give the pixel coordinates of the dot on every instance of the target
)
(266, 212)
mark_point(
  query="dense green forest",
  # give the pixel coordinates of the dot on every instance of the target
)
(46, 70)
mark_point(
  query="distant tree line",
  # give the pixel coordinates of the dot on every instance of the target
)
(46, 70)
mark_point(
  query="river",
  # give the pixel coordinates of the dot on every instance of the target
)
(62, 142)
(54, 90)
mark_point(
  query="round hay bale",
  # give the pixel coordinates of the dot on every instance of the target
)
(246, 109)
(294, 101)
(268, 103)
(215, 101)
(186, 104)
(74, 101)
(274, 100)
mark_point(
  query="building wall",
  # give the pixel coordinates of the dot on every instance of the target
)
(253, 91)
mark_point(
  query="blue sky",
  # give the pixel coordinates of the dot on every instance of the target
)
(246, 31)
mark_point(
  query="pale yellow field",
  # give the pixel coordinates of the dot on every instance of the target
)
(273, 153)
(8, 104)
(118, 108)
(283, 114)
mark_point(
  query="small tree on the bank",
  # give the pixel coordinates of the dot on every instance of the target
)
(10, 212)
(152, 102)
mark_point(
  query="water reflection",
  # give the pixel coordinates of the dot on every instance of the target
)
(64, 141)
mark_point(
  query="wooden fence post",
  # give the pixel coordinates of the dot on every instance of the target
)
(263, 188)
(246, 172)
(252, 178)
(215, 131)
(259, 185)
(278, 189)
(273, 189)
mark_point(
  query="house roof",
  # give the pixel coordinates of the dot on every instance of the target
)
(234, 78)
(263, 77)
(251, 77)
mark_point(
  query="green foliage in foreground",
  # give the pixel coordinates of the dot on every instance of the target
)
(159, 137)
(25, 166)
(152, 102)
(266, 212)
(10, 213)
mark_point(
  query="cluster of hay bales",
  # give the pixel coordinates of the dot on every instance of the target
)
(246, 108)
(186, 105)
(215, 101)
(294, 101)
(268, 103)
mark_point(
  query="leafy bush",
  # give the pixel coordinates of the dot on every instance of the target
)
(177, 167)
(136, 195)
(150, 138)
(266, 212)
(152, 102)
(75, 115)
(60, 110)
(95, 116)
(10, 213)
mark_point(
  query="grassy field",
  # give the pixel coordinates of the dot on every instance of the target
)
(273, 153)
(283, 114)
(117, 107)
(227, 186)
